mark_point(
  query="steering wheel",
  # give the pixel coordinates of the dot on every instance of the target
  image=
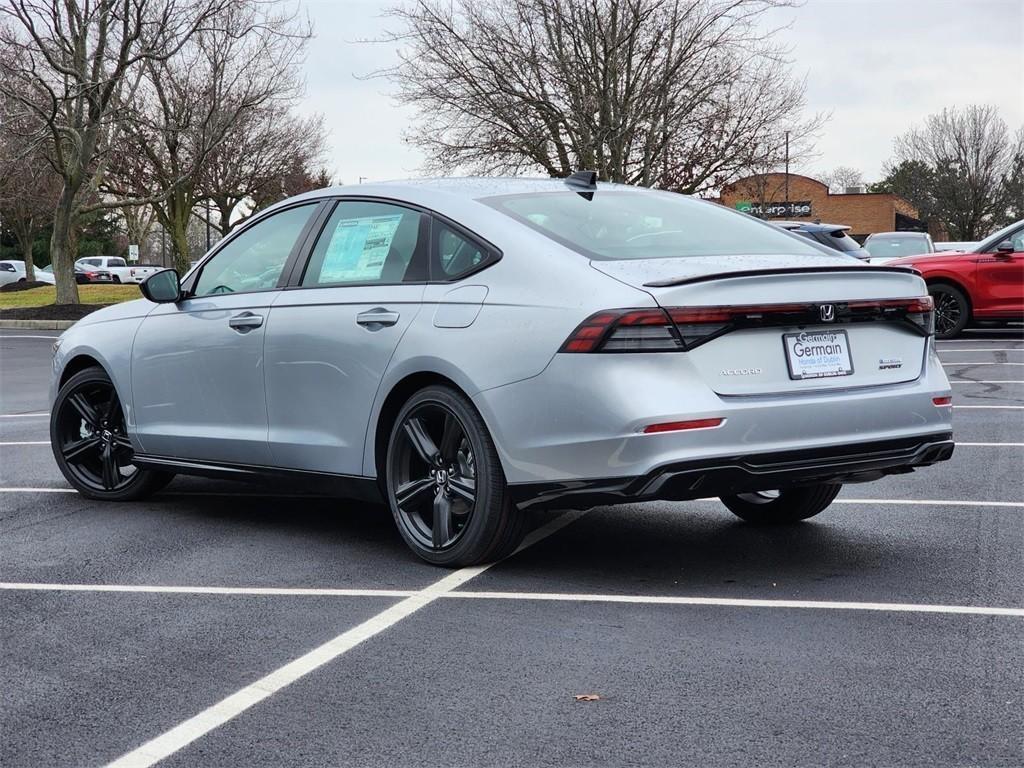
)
(220, 289)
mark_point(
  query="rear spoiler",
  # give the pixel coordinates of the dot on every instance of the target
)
(781, 271)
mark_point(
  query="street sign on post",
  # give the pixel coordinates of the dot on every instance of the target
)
(133, 253)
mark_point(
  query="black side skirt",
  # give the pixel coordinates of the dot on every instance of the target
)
(345, 486)
(727, 476)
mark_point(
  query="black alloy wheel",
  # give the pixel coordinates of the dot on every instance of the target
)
(91, 444)
(780, 507)
(445, 486)
(951, 310)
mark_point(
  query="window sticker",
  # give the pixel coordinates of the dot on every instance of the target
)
(358, 249)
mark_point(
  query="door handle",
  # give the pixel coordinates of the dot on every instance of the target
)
(378, 317)
(245, 322)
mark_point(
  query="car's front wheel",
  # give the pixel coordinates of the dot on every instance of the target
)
(778, 507)
(951, 310)
(445, 485)
(90, 442)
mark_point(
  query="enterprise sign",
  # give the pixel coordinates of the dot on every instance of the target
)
(791, 210)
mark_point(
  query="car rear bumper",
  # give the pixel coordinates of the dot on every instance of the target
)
(583, 419)
(726, 476)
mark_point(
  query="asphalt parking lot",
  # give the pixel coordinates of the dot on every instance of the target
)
(228, 625)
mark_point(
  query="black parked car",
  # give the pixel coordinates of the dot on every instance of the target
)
(831, 235)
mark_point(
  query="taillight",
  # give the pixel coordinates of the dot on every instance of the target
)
(678, 426)
(624, 330)
(681, 328)
(942, 402)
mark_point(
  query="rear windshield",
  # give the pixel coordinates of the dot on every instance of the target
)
(651, 225)
(896, 246)
(839, 240)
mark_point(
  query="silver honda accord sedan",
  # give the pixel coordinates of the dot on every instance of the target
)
(468, 349)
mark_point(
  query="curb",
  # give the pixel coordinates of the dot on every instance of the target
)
(37, 325)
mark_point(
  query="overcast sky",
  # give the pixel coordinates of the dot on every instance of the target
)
(878, 66)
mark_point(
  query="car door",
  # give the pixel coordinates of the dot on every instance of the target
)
(198, 386)
(1000, 278)
(333, 332)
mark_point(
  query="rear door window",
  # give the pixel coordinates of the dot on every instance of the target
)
(366, 243)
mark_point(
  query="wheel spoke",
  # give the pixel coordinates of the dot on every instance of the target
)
(85, 410)
(412, 492)
(463, 487)
(109, 465)
(108, 412)
(451, 436)
(75, 449)
(441, 529)
(421, 441)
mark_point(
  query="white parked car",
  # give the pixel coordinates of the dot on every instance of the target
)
(960, 245)
(45, 274)
(115, 265)
(12, 271)
(139, 272)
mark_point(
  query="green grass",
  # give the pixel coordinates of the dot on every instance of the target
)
(87, 294)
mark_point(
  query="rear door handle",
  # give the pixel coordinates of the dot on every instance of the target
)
(378, 317)
(245, 322)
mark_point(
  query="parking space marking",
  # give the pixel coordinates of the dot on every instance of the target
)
(992, 407)
(571, 597)
(38, 490)
(975, 381)
(934, 503)
(48, 338)
(229, 708)
(740, 602)
(989, 445)
(993, 349)
(25, 442)
(35, 415)
(14, 586)
(966, 364)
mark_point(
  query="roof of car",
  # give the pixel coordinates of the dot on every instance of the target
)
(476, 187)
(811, 226)
(898, 234)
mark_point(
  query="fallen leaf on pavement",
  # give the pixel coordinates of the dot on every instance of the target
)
(587, 697)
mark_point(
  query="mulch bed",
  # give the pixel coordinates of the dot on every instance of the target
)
(50, 312)
(24, 285)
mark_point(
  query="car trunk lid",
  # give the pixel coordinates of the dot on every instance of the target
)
(754, 328)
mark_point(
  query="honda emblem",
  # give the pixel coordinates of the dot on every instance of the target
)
(827, 312)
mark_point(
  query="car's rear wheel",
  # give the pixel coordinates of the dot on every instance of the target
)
(90, 442)
(445, 485)
(951, 310)
(779, 507)
(116, 279)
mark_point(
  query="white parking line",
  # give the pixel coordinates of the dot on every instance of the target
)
(967, 364)
(48, 338)
(37, 414)
(740, 602)
(180, 590)
(25, 442)
(843, 605)
(986, 381)
(991, 349)
(38, 490)
(992, 407)
(231, 707)
(989, 445)
(934, 503)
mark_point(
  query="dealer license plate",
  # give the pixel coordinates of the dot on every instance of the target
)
(817, 354)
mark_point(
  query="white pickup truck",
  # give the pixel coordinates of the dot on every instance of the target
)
(122, 271)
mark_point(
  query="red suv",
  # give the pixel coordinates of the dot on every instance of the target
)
(985, 283)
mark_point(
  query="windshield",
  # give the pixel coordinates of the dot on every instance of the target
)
(610, 225)
(894, 247)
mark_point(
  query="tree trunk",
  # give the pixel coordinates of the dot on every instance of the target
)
(24, 231)
(179, 245)
(62, 250)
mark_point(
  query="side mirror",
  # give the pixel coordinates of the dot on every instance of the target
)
(163, 287)
(1005, 248)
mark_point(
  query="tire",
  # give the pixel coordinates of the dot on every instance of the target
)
(442, 460)
(952, 310)
(781, 507)
(116, 279)
(90, 442)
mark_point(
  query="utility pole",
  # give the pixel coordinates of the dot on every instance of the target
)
(787, 170)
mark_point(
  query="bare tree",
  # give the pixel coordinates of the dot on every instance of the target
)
(666, 93)
(186, 107)
(969, 152)
(69, 66)
(269, 153)
(841, 178)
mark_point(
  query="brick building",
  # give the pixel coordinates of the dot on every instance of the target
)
(793, 197)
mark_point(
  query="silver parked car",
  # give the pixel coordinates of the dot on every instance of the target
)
(468, 349)
(886, 246)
